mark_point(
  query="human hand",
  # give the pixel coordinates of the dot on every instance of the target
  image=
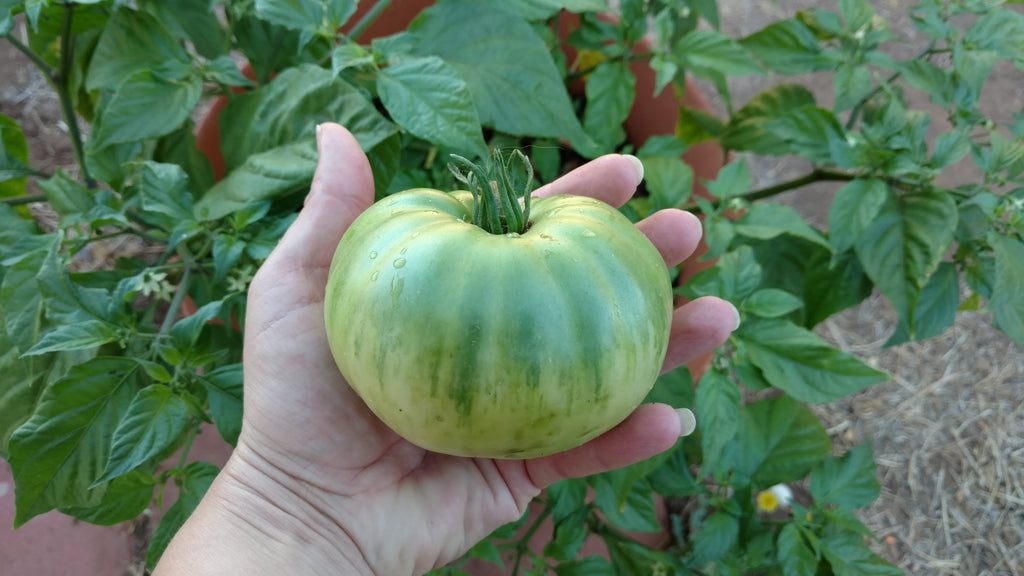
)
(318, 484)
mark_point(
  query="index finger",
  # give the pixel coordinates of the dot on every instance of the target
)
(612, 179)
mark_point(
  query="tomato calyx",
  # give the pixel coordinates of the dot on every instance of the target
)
(496, 191)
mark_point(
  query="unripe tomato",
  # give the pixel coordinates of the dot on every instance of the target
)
(510, 345)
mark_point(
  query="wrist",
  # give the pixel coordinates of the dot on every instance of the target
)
(253, 521)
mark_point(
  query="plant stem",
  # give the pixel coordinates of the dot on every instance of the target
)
(40, 64)
(368, 19)
(179, 297)
(855, 113)
(524, 543)
(816, 175)
(61, 83)
(21, 200)
(192, 433)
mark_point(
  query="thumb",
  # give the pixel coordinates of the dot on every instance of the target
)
(342, 188)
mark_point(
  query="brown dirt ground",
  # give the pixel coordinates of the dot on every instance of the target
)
(947, 430)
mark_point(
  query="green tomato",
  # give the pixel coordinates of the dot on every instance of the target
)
(497, 345)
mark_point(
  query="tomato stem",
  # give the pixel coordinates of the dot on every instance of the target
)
(496, 206)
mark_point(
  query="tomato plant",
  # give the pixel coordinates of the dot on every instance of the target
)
(476, 327)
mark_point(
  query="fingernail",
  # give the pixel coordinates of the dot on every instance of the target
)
(319, 129)
(687, 421)
(736, 315)
(638, 165)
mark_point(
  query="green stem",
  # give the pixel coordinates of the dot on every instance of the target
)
(179, 297)
(368, 19)
(816, 175)
(495, 197)
(22, 200)
(193, 431)
(855, 113)
(523, 546)
(67, 44)
(39, 63)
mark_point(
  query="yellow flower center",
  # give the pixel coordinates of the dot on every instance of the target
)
(767, 502)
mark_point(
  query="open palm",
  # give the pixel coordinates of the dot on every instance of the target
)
(311, 447)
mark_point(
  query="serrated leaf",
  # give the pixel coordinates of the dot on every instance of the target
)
(796, 361)
(164, 189)
(949, 149)
(71, 199)
(735, 277)
(796, 557)
(632, 510)
(570, 533)
(849, 482)
(772, 303)
(63, 447)
(224, 387)
(673, 478)
(974, 66)
(429, 99)
(134, 42)
(13, 158)
(1007, 302)
(787, 47)
(509, 70)
(695, 126)
(610, 90)
(154, 420)
(851, 83)
(79, 336)
(854, 210)
(717, 406)
(669, 180)
(192, 19)
(778, 441)
(904, 245)
(227, 250)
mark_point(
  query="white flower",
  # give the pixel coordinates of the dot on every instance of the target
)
(775, 497)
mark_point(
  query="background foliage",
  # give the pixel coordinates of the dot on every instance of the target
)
(103, 377)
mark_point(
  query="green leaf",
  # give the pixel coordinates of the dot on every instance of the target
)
(669, 180)
(263, 176)
(733, 179)
(135, 42)
(936, 307)
(565, 497)
(853, 210)
(974, 66)
(126, 498)
(856, 13)
(695, 126)
(904, 244)
(711, 50)
(949, 149)
(429, 99)
(796, 557)
(772, 303)
(718, 535)
(673, 478)
(227, 250)
(63, 447)
(186, 331)
(736, 276)
(851, 83)
(813, 133)
(610, 90)
(13, 158)
(145, 106)
(509, 69)
(928, 78)
(778, 441)
(849, 481)
(487, 551)
(71, 199)
(154, 420)
(717, 407)
(747, 129)
(570, 533)
(674, 388)
(631, 558)
(544, 9)
(832, 283)
(164, 189)
(635, 512)
(797, 362)
(224, 389)
(192, 19)
(787, 47)
(848, 555)
(80, 336)
(198, 476)
(20, 388)
(223, 70)
(764, 221)
(589, 566)
(1007, 302)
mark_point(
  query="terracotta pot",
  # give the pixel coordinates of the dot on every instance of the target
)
(648, 117)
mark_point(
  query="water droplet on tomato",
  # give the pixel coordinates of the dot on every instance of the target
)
(588, 234)
(374, 275)
(546, 236)
(373, 254)
(404, 250)
(414, 234)
(399, 262)
(512, 235)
